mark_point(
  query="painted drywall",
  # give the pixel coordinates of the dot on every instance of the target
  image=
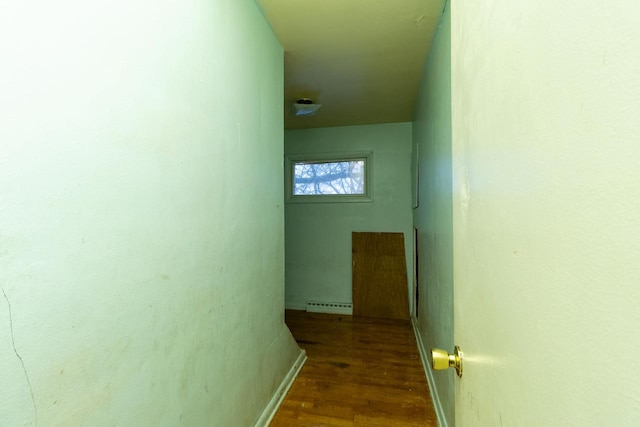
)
(318, 235)
(362, 74)
(546, 166)
(139, 286)
(433, 216)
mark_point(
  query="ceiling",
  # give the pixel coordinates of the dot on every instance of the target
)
(361, 59)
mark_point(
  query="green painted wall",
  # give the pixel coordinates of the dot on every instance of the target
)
(433, 217)
(141, 221)
(318, 235)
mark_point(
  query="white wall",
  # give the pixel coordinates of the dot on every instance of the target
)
(318, 235)
(141, 221)
(546, 213)
(433, 217)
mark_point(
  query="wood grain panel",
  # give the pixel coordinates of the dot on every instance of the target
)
(379, 275)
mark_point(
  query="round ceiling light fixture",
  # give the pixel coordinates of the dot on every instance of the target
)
(305, 107)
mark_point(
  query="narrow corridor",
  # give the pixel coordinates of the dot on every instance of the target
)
(360, 372)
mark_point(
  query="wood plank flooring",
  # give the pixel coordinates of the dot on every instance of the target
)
(360, 372)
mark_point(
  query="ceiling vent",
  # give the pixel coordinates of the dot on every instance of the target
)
(305, 107)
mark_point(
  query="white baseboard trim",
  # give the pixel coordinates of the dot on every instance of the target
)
(271, 409)
(442, 420)
(295, 306)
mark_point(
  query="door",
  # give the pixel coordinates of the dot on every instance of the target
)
(546, 212)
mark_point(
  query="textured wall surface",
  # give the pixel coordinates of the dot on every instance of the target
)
(142, 254)
(318, 235)
(433, 217)
(546, 153)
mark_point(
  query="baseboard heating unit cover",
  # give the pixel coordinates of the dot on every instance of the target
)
(330, 307)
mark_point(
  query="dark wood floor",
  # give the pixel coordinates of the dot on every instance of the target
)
(360, 372)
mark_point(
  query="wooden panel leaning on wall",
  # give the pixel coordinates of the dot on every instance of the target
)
(379, 274)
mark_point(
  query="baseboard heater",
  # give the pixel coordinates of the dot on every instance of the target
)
(330, 307)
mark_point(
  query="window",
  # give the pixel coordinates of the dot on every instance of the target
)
(329, 177)
(324, 178)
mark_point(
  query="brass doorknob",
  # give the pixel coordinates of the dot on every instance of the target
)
(440, 360)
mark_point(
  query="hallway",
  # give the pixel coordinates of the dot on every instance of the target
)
(359, 372)
(149, 251)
